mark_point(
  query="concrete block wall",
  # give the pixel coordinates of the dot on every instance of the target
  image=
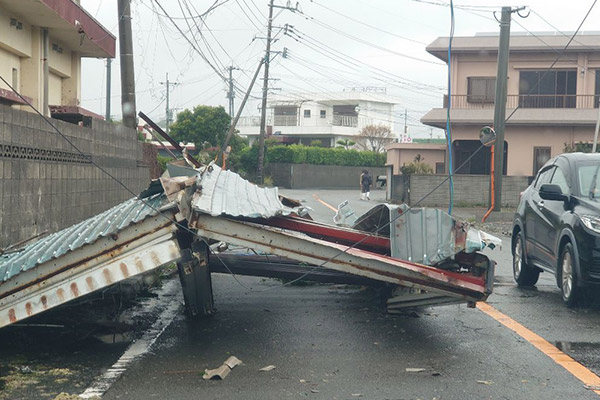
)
(46, 184)
(469, 190)
(301, 176)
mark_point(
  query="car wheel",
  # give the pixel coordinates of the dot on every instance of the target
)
(524, 274)
(568, 276)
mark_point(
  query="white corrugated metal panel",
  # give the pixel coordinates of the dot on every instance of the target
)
(225, 192)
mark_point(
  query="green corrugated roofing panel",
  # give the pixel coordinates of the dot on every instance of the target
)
(57, 244)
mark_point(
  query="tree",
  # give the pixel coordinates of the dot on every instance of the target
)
(345, 143)
(205, 126)
(374, 138)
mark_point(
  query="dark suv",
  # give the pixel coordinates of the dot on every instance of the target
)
(557, 225)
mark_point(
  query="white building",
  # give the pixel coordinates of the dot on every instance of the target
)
(324, 117)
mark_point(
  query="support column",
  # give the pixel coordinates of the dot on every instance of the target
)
(126, 61)
(194, 274)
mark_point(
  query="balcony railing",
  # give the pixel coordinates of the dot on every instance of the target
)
(345, 120)
(526, 101)
(286, 120)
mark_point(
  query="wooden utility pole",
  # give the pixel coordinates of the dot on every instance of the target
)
(500, 105)
(126, 61)
(263, 111)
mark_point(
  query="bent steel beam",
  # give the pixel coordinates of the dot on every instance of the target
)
(297, 246)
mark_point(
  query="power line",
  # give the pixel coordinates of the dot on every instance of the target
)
(367, 43)
(353, 64)
(202, 55)
(368, 25)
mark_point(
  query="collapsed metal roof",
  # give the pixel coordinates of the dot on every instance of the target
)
(57, 244)
(127, 240)
(389, 244)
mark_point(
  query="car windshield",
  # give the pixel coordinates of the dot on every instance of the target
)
(588, 176)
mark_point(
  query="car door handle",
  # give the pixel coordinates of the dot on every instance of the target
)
(540, 203)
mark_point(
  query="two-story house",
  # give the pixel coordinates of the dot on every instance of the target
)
(324, 117)
(555, 108)
(42, 43)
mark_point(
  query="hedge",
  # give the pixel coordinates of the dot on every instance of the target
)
(299, 154)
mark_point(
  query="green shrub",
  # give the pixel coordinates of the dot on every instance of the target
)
(416, 167)
(299, 154)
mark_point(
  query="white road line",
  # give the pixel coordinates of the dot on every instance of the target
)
(170, 292)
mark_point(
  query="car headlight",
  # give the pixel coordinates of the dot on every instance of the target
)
(591, 222)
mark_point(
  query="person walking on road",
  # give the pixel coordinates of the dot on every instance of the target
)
(365, 185)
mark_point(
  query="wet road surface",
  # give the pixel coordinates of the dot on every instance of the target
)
(335, 342)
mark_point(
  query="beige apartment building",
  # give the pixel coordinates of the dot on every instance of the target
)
(42, 43)
(554, 109)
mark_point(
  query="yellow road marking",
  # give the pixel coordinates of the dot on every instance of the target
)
(580, 372)
(332, 208)
(587, 377)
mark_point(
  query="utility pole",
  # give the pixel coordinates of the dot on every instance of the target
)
(45, 71)
(263, 111)
(168, 106)
(126, 61)
(263, 114)
(500, 107)
(405, 127)
(231, 92)
(237, 116)
(108, 83)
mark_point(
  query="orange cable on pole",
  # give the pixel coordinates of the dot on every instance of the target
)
(492, 191)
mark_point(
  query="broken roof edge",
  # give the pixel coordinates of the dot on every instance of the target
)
(86, 232)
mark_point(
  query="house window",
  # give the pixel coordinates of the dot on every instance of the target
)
(15, 78)
(481, 89)
(547, 89)
(474, 164)
(323, 113)
(540, 156)
(306, 113)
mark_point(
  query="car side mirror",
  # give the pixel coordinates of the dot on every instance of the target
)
(549, 191)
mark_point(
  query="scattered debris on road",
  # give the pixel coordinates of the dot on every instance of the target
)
(267, 368)
(222, 371)
(416, 369)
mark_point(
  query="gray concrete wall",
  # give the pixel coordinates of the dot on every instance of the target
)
(469, 190)
(47, 185)
(300, 176)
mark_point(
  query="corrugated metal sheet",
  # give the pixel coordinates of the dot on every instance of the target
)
(105, 224)
(225, 192)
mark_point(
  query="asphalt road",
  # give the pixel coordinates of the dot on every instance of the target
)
(336, 342)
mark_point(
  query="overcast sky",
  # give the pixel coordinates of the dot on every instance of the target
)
(334, 45)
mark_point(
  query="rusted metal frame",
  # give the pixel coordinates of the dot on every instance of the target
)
(169, 139)
(282, 268)
(78, 282)
(359, 262)
(370, 242)
(194, 275)
(162, 234)
(104, 248)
